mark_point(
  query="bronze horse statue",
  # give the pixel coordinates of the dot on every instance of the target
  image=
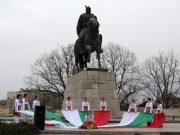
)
(91, 42)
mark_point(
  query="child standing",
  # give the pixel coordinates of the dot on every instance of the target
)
(69, 104)
(85, 105)
(103, 104)
(132, 106)
(36, 102)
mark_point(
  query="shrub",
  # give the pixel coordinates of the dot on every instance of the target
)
(17, 129)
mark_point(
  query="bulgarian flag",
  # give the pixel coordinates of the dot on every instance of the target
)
(101, 117)
(53, 116)
(128, 118)
(51, 119)
(82, 115)
(50, 115)
(138, 120)
(158, 120)
(72, 117)
(143, 118)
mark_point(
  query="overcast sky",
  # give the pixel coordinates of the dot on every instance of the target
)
(29, 28)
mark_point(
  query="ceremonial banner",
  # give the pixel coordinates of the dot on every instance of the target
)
(143, 118)
(73, 117)
(158, 120)
(128, 118)
(101, 117)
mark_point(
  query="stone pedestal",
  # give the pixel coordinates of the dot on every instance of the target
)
(94, 85)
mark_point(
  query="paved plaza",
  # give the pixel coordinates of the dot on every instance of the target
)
(168, 129)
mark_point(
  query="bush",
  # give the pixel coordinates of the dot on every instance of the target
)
(17, 129)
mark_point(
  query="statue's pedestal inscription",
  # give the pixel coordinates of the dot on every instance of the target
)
(94, 85)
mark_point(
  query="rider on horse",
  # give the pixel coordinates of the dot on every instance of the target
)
(82, 24)
(89, 40)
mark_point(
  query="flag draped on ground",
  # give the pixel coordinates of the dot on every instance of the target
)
(101, 117)
(50, 115)
(142, 119)
(128, 118)
(132, 119)
(82, 115)
(51, 118)
(55, 123)
(73, 117)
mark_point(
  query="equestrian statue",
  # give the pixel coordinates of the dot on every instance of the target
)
(89, 40)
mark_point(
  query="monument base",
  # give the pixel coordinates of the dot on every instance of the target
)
(94, 85)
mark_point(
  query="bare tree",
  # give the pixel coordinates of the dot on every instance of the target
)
(50, 71)
(124, 64)
(161, 78)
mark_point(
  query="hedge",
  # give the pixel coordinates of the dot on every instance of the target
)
(17, 129)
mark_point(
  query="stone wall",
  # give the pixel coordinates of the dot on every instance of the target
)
(94, 85)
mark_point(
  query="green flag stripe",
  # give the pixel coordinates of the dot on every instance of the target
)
(51, 115)
(82, 115)
(142, 119)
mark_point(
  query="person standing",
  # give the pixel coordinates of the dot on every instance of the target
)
(149, 106)
(18, 107)
(103, 104)
(36, 102)
(69, 104)
(89, 122)
(25, 106)
(159, 109)
(85, 105)
(132, 106)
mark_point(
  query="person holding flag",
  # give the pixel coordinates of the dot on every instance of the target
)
(85, 105)
(69, 104)
(36, 102)
(132, 106)
(149, 106)
(103, 104)
(18, 107)
(159, 109)
(148, 109)
(25, 106)
(89, 122)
